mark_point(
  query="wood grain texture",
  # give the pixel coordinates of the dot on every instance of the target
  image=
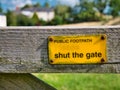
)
(24, 49)
(22, 82)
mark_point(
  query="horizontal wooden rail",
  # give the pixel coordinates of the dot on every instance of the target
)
(24, 49)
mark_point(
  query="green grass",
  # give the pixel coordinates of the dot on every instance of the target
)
(80, 81)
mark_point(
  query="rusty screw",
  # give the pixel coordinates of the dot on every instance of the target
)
(102, 60)
(102, 38)
(50, 39)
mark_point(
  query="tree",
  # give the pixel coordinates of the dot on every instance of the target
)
(115, 5)
(62, 9)
(24, 21)
(37, 5)
(86, 5)
(1, 10)
(11, 18)
(35, 19)
(87, 12)
(47, 5)
(63, 12)
(26, 6)
(56, 21)
(100, 5)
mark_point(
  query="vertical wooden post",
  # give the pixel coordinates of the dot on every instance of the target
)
(10, 81)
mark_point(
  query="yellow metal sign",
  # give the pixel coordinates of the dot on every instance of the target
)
(86, 49)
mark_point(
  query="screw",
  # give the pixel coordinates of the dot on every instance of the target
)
(50, 39)
(51, 61)
(102, 60)
(102, 38)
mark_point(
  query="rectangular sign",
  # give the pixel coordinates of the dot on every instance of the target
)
(84, 49)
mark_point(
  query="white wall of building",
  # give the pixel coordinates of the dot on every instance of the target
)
(3, 20)
(51, 15)
(42, 15)
(46, 16)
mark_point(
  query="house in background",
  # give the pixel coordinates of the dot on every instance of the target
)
(3, 20)
(46, 14)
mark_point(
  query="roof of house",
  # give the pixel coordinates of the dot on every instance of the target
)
(33, 9)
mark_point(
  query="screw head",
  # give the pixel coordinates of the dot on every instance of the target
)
(102, 38)
(51, 61)
(50, 39)
(102, 60)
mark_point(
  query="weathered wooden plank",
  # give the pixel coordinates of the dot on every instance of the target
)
(22, 82)
(24, 49)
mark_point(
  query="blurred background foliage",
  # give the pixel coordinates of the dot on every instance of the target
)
(84, 11)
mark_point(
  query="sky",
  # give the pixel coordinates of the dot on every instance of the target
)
(12, 4)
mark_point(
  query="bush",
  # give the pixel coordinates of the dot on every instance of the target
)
(24, 21)
(87, 16)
